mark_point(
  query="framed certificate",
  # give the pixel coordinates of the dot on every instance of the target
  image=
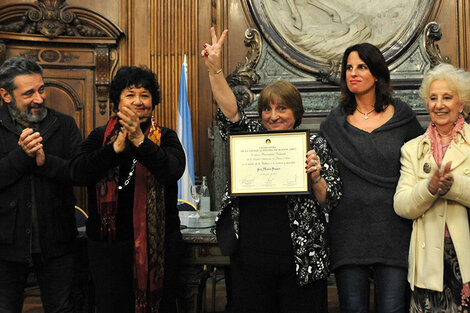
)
(266, 163)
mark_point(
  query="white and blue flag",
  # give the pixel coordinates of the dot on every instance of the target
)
(185, 135)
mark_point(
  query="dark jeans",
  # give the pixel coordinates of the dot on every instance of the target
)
(268, 284)
(391, 289)
(54, 279)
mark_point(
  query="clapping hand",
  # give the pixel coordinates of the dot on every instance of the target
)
(441, 181)
(446, 180)
(130, 122)
(120, 143)
(30, 142)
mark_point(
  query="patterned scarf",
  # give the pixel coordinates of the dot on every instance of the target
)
(148, 218)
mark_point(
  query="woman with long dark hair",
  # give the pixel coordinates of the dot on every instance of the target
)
(365, 133)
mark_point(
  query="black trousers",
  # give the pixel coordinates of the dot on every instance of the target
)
(112, 266)
(54, 279)
(267, 283)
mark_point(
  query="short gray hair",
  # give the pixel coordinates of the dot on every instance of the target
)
(458, 80)
(16, 66)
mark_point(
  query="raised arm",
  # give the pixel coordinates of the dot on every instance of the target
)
(212, 55)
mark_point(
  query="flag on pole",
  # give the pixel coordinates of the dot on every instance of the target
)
(185, 135)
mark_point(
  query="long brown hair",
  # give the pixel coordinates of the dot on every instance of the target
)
(375, 61)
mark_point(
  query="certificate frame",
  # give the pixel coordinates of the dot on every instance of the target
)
(268, 163)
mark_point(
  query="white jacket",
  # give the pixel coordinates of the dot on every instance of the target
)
(431, 213)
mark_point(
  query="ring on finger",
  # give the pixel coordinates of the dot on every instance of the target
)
(314, 168)
(130, 123)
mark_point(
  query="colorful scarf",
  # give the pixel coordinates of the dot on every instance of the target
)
(148, 218)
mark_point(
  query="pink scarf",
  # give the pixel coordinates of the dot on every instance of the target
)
(437, 149)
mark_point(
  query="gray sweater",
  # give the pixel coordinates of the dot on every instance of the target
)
(364, 228)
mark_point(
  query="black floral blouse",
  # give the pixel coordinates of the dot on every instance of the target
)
(306, 216)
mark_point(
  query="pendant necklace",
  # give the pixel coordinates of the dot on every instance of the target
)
(131, 173)
(366, 115)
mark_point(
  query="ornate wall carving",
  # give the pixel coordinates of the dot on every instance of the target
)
(318, 86)
(312, 34)
(53, 18)
(77, 50)
(58, 34)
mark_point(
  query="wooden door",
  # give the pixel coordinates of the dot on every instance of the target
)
(77, 49)
(71, 92)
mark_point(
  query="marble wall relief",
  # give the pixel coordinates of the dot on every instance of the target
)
(313, 34)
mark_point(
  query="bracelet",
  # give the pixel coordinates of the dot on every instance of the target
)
(139, 144)
(218, 72)
(316, 180)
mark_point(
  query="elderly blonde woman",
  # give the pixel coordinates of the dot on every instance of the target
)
(433, 191)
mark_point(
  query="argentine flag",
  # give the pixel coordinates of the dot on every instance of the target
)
(185, 135)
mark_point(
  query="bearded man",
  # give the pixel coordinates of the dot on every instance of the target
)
(37, 217)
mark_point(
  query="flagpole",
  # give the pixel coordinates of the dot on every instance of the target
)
(185, 64)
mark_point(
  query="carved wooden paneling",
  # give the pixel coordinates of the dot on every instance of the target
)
(174, 34)
(454, 19)
(464, 33)
(77, 49)
(68, 92)
(58, 35)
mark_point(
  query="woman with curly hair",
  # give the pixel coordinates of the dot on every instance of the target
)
(131, 167)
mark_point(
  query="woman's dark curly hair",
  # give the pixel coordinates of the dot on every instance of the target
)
(375, 61)
(134, 76)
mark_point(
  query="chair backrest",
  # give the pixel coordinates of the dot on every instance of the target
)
(80, 217)
(184, 205)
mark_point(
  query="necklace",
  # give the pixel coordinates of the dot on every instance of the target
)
(366, 115)
(131, 173)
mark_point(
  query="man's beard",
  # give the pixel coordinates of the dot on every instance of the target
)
(28, 116)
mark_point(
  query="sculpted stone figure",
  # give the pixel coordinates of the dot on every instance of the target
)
(322, 29)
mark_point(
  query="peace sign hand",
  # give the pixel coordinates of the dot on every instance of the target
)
(212, 54)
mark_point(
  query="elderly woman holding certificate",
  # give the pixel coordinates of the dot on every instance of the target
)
(277, 244)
